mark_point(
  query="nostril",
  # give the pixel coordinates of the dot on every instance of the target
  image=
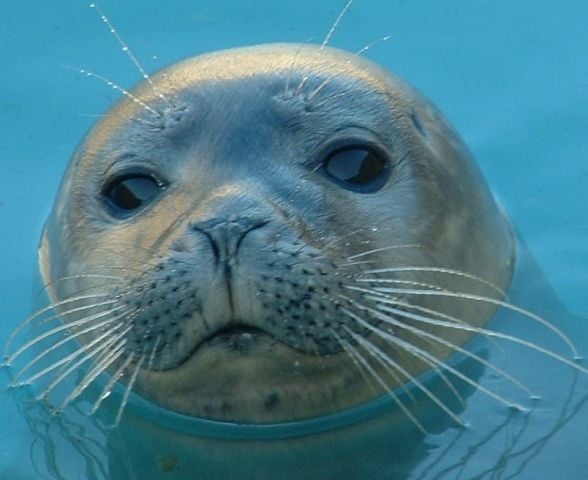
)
(180, 245)
(226, 235)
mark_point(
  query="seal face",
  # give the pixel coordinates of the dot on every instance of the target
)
(272, 233)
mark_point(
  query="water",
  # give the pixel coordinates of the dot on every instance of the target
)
(512, 77)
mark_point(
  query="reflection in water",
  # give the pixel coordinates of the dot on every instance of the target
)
(514, 442)
(64, 445)
(379, 443)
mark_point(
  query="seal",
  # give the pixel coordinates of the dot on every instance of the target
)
(268, 234)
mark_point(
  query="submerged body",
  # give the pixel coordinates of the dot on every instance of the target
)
(273, 233)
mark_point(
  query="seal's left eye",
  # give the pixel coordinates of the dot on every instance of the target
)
(131, 192)
(357, 168)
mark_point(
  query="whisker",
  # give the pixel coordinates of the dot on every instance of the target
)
(55, 346)
(56, 330)
(481, 299)
(112, 280)
(438, 314)
(370, 230)
(342, 237)
(445, 271)
(68, 359)
(353, 264)
(289, 77)
(364, 49)
(437, 370)
(384, 249)
(85, 275)
(429, 286)
(9, 358)
(385, 358)
(331, 98)
(326, 41)
(130, 385)
(44, 310)
(424, 355)
(386, 388)
(352, 353)
(420, 308)
(117, 87)
(125, 48)
(107, 390)
(453, 346)
(336, 24)
(108, 357)
(460, 325)
(393, 375)
(78, 363)
(450, 386)
(333, 75)
(489, 333)
(448, 383)
(153, 352)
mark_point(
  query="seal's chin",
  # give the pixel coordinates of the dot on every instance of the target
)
(244, 374)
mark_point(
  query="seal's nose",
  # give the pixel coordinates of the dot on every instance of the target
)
(226, 234)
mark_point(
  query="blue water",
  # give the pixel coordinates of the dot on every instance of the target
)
(511, 76)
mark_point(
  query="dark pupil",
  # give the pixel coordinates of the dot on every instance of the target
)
(131, 193)
(355, 166)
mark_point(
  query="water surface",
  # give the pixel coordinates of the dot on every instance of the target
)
(511, 76)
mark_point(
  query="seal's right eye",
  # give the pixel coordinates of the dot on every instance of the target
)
(129, 193)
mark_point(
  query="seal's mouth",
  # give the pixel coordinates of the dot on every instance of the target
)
(237, 337)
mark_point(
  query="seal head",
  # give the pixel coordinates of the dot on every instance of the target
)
(273, 233)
